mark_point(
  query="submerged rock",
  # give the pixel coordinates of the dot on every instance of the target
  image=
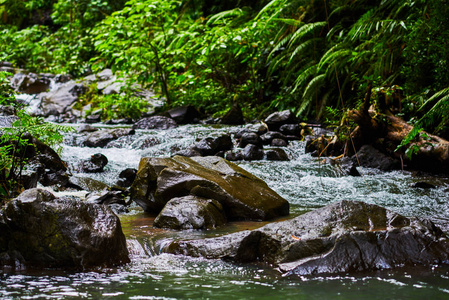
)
(346, 236)
(39, 230)
(242, 195)
(191, 212)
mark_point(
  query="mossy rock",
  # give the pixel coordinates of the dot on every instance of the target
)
(47, 232)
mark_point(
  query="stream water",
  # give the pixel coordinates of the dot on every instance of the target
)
(306, 182)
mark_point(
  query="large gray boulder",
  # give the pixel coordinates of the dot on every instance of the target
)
(242, 195)
(39, 230)
(345, 236)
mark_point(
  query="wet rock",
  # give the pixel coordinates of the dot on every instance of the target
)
(86, 128)
(30, 83)
(94, 164)
(370, 157)
(268, 137)
(60, 178)
(234, 116)
(147, 142)
(191, 212)
(127, 177)
(155, 122)
(30, 178)
(59, 101)
(346, 236)
(291, 129)
(250, 138)
(106, 197)
(276, 154)
(188, 153)
(63, 78)
(41, 231)
(242, 195)
(346, 165)
(87, 184)
(279, 143)
(259, 129)
(91, 119)
(45, 163)
(252, 152)
(184, 114)
(212, 145)
(125, 121)
(113, 88)
(122, 142)
(106, 74)
(102, 137)
(233, 155)
(7, 111)
(277, 119)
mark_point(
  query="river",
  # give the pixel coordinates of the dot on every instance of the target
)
(306, 182)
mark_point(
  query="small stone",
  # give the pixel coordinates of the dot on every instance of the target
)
(276, 154)
(252, 152)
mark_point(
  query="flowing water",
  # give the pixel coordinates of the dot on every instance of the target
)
(305, 181)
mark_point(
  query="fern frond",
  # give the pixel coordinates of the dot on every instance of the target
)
(268, 6)
(280, 44)
(304, 30)
(430, 118)
(233, 13)
(314, 85)
(303, 77)
(444, 93)
(302, 48)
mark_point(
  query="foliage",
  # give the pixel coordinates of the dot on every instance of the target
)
(16, 140)
(301, 55)
(115, 106)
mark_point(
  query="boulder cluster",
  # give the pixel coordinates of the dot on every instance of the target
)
(202, 193)
(346, 236)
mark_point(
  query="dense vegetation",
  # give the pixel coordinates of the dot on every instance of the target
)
(317, 58)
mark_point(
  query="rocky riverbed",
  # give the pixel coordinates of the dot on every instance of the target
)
(305, 182)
